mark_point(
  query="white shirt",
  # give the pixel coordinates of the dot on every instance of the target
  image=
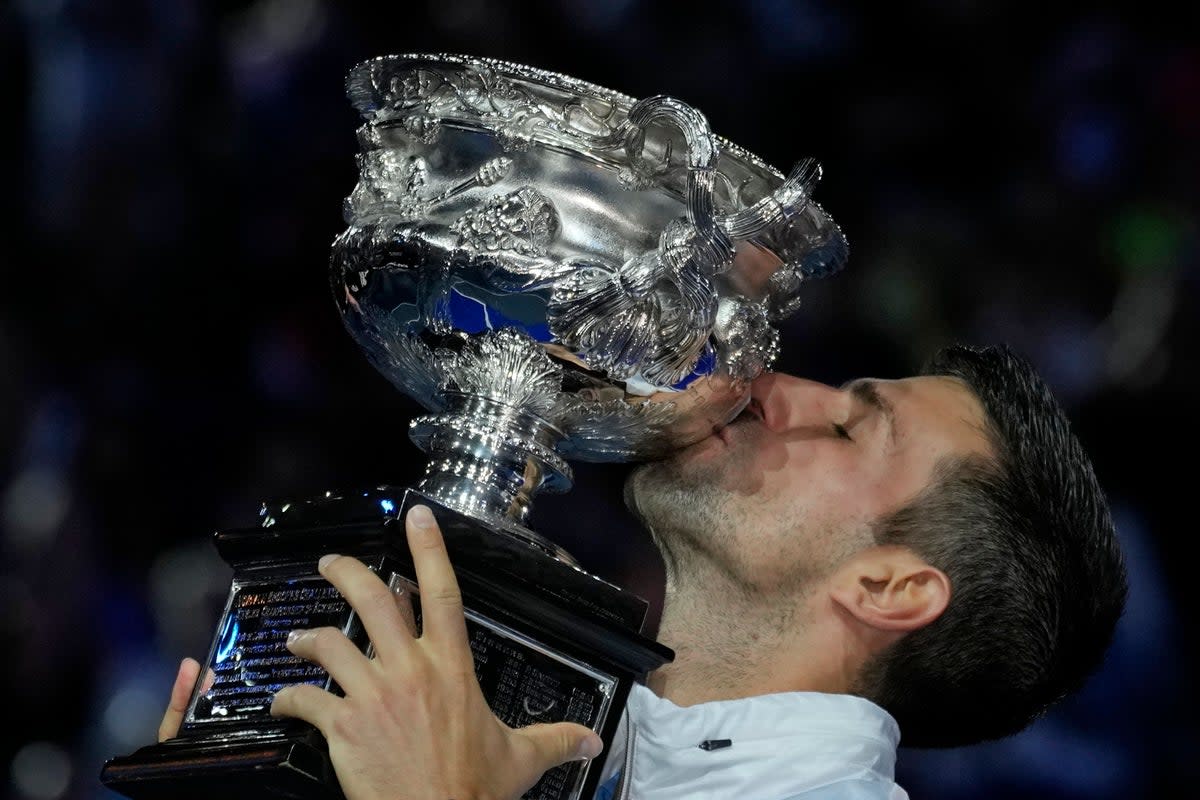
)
(789, 746)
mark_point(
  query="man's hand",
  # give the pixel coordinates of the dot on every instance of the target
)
(413, 724)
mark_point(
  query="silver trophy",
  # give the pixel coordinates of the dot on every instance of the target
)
(554, 271)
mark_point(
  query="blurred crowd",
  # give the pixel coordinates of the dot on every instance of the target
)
(170, 355)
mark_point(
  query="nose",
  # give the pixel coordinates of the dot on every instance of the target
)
(789, 402)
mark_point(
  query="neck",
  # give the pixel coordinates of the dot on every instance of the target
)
(732, 642)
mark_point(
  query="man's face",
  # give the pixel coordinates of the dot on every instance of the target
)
(793, 485)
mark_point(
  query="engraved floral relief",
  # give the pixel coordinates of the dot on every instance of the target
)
(651, 317)
(388, 180)
(749, 342)
(590, 118)
(422, 127)
(689, 306)
(522, 221)
(508, 367)
(423, 96)
(391, 184)
(611, 316)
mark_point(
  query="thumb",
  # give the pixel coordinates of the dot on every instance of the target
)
(556, 743)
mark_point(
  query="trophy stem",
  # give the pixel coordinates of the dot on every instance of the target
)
(488, 459)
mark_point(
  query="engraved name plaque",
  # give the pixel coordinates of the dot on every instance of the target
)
(250, 661)
(525, 682)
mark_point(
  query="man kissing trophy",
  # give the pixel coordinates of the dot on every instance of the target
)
(554, 271)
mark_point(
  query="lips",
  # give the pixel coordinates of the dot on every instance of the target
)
(751, 414)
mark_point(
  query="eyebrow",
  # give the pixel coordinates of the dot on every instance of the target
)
(866, 391)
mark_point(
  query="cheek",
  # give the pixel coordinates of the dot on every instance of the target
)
(823, 483)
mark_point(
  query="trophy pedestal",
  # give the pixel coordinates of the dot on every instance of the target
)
(550, 641)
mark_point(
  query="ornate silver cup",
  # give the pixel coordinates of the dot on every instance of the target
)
(558, 271)
(555, 272)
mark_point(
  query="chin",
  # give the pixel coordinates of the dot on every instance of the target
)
(656, 491)
(686, 510)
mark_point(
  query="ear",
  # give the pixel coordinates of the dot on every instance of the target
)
(891, 588)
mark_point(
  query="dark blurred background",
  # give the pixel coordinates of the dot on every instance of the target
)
(170, 354)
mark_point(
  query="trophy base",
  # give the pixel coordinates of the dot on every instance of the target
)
(550, 643)
(292, 766)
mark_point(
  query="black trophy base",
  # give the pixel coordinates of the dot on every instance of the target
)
(286, 765)
(550, 643)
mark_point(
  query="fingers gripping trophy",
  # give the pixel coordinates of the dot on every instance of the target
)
(555, 271)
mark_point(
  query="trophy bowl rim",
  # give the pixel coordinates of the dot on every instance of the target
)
(367, 98)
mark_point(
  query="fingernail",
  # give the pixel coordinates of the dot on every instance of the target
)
(295, 636)
(327, 560)
(421, 516)
(590, 748)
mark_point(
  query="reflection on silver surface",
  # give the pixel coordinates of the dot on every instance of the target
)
(555, 269)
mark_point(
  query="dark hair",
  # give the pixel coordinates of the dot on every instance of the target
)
(1037, 578)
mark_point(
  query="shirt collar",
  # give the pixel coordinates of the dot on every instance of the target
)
(763, 716)
(779, 744)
